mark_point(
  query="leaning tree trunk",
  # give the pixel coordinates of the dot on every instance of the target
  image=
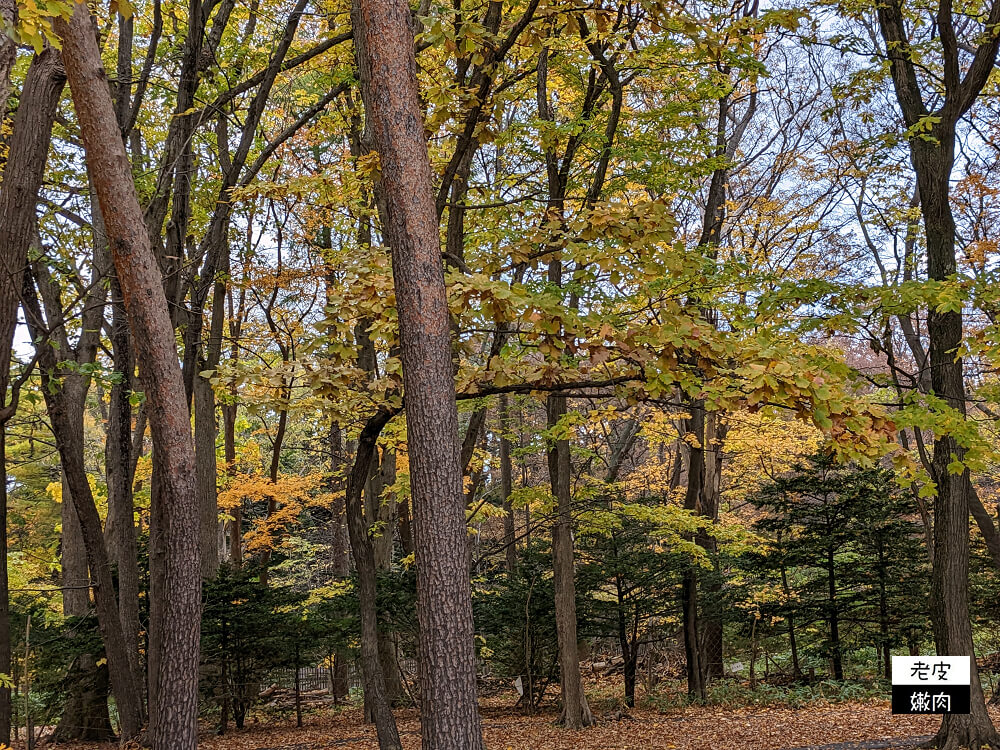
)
(173, 721)
(448, 708)
(22, 178)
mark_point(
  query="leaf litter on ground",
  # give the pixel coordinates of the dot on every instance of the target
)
(840, 726)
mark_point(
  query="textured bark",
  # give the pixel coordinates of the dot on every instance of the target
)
(448, 707)
(22, 178)
(173, 721)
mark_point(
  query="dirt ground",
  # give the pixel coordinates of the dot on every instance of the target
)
(841, 726)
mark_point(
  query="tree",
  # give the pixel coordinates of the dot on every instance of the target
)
(22, 178)
(846, 552)
(449, 712)
(931, 135)
(173, 719)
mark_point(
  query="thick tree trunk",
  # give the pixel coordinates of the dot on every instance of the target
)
(575, 709)
(173, 721)
(933, 162)
(448, 706)
(22, 178)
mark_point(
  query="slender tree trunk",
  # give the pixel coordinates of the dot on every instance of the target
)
(695, 426)
(120, 527)
(173, 722)
(5, 649)
(85, 714)
(205, 433)
(340, 552)
(792, 642)
(448, 706)
(235, 525)
(833, 609)
(506, 487)
(376, 704)
(575, 709)
(69, 443)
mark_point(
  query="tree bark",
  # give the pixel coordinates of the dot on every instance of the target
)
(933, 156)
(22, 179)
(575, 709)
(173, 722)
(448, 706)
(950, 572)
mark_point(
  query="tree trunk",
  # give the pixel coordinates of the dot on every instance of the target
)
(950, 572)
(68, 433)
(506, 487)
(22, 178)
(340, 552)
(235, 525)
(376, 705)
(575, 709)
(448, 706)
(932, 154)
(173, 722)
(85, 714)
(833, 609)
(205, 433)
(120, 527)
(5, 650)
(695, 426)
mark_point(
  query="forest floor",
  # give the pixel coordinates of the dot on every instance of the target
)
(836, 726)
